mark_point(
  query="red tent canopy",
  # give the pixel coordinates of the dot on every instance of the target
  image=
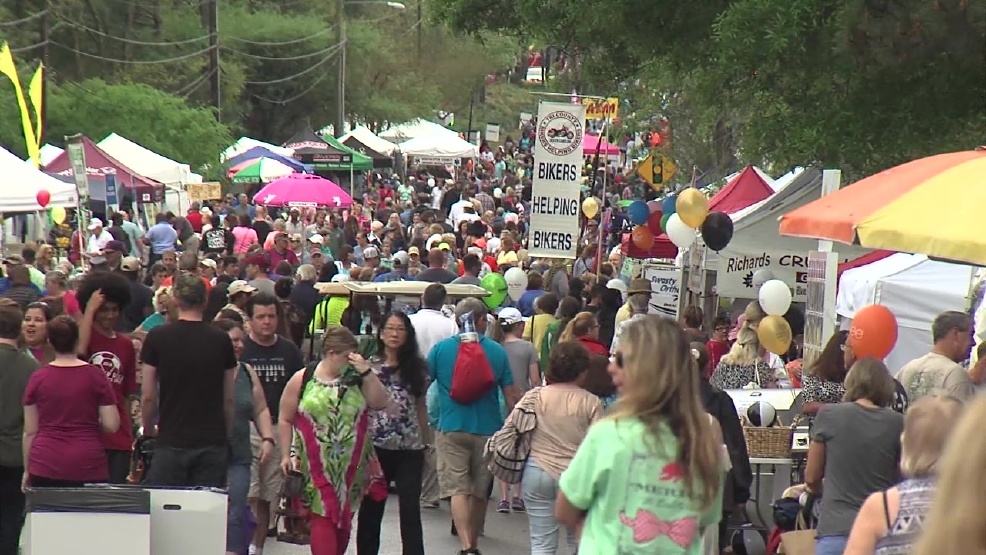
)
(100, 164)
(662, 248)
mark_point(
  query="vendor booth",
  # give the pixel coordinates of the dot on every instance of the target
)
(310, 149)
(413, 130)
(147, 162)
(438, 149)
(363, 140)
(25, 182)
(49, 152)
(608, 152)
(915, 289)
(259, 152)
(244, 144)
(129, 184)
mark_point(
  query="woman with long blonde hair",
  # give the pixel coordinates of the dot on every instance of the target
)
(743, 366)
(584, 328)
(955, 523)
(648, 478)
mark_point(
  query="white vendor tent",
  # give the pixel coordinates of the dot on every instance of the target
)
(413, 130)
(147, 162)
(48, 153)
(244, 144)
(439, 146)
(373, 142)
(23, 182)
(914, 288)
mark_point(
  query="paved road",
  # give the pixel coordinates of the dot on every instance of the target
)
(506, 534)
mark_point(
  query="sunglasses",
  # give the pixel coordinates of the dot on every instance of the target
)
(617, 359)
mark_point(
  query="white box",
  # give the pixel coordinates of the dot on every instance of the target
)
(187, 522)
(84, 521)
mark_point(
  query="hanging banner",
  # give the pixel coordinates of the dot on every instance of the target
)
(736, 268)
(601, 108)
(665, 284)
(493, 132)
(204, 191)
(555, 192)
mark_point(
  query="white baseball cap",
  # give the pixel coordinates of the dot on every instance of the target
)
(509, 315)
(371, 252)
(316, 238)
(240, 286)
(95, 223)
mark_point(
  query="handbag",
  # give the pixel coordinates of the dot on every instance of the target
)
(801, 541)
(507, 451)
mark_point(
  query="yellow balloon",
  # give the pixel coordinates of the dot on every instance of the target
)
(692, 207)
(58, 214)
(590, 207)
(774, 334)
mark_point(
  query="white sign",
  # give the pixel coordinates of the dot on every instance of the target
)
(665, 284)
(525, 118)
(555, 192)
(493, 132)
(736, 269)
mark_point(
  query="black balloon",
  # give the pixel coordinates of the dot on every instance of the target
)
(717, 230)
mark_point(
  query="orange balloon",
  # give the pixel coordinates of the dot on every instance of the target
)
(642, 237)
(873, 332)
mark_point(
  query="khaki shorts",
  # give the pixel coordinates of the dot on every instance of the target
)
(266, 479)
(461, 468)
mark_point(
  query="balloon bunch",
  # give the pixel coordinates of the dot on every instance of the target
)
(58, 214)
(646, 216)
(774, 331)
(692, 213)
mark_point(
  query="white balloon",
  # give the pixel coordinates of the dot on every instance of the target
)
(762, 276)
(516, 280)
(775, 297)
(679, 233)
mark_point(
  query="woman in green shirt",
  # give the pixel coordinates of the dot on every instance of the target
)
(648, 478)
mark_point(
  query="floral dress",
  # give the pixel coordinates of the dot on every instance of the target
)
(333, 445)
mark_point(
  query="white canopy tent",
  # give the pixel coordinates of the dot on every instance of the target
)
(413, 130)
(49, 152)
(147, 162)
(24, 182)
(914, 288)
(373, 142)
(244, 144)
(439, 146)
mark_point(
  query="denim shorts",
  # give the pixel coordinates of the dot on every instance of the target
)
(831, 545)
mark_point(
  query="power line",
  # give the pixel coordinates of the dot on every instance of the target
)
(135, 62)
(188, 89)
(29, 48)
(281, 43)
(317, 64)
(31, 17)
(295, 97)
(132, 41)
(278, 58)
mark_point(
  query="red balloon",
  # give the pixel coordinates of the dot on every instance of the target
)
(44, 197)
(654, 206)
(654, 221)
(642, 237)
(873, 332)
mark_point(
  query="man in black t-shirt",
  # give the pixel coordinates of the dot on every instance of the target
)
(274, 359)
(189, 369)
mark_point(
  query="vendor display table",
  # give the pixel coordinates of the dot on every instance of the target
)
(770, 478)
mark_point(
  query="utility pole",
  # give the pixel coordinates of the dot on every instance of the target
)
(215, 77)
(420, 24)
(44, 72)
(340, 124)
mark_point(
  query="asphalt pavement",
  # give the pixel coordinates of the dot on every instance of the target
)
(506, 534)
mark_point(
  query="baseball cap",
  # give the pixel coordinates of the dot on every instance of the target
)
(208, 262)
(371, 252)
(240, 286)
(94, 223)
(400, 258)
(130, 264)
(445, 247)
(316, 238)
(509, 315)
(115, 246)
(414, 250)
(14, 259)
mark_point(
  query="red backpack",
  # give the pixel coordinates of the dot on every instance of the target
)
(472, 376)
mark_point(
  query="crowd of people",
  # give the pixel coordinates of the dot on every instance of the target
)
(199, 352)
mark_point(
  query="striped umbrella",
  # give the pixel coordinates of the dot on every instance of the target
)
(263, 170)
(931, 206)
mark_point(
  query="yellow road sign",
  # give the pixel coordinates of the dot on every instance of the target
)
(656, 170)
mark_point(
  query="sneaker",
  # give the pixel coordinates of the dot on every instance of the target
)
(503, 507)
(518, 505)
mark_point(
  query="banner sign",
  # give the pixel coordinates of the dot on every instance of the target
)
(77, 157)
(736, 269)
(665, 284)
(601, 108)
(204, 191)
(555, 192)
(525, 118)
(493, 132)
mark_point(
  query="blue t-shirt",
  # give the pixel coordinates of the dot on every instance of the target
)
(527, 300)
(482, 417)
(162, 237)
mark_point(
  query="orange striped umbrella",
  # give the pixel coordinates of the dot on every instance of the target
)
(933, 206)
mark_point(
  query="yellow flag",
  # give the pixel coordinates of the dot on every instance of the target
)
(8, 68)
(35, 91)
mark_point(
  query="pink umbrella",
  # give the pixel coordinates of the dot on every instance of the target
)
(302, 189)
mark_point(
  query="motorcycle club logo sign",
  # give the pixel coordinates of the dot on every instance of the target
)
(560, 133)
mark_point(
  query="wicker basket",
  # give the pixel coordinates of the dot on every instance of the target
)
(768, 443)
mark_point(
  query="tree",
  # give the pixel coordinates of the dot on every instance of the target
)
(152, 118)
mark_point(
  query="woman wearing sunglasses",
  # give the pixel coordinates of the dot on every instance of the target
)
(648, 477)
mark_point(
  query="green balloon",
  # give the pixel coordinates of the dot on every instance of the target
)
(497, 286)
(664, 222)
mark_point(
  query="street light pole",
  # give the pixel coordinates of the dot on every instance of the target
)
(339, 127)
